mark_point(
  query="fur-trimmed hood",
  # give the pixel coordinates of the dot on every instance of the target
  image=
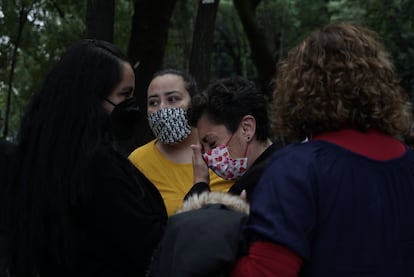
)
(232, 202)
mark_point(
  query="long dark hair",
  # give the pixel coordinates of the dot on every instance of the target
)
(61, 130)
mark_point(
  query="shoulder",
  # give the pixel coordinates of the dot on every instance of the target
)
(303, 160)
(296, 151)
(113, 175)
(107, 163)
(307, 151)
(144, 148)
(145, 151)
(110, 167)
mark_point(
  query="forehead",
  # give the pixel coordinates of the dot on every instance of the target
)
(127, 82)
(167, 83)
(128, 74)
(208, 130)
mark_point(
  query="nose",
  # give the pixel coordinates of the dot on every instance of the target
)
(163, 105)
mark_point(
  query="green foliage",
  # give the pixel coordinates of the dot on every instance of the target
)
(50, 26)
(279, 19)
(346, 10)
(53, 25)
(231, 49)
(124, 11)
(392, 21)
(180, 35)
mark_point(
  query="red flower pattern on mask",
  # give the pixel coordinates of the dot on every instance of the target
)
(219, 160)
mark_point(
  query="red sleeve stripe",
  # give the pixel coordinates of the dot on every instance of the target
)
(267, 259)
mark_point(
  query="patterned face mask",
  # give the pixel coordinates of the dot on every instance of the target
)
(170, 125)
(218, 159)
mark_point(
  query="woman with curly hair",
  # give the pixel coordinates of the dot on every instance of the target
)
(340, 204)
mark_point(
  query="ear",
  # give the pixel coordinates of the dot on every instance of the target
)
(248, 124)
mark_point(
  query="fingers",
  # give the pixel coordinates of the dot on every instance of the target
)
(243, 195)
(200, 168)
(196, 149)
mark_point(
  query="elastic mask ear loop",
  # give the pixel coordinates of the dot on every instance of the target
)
(247, 148)
(110, 102)
(227, 143)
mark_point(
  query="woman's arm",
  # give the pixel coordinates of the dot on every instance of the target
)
(267, 259)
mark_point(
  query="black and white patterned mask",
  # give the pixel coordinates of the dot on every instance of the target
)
(170, 125)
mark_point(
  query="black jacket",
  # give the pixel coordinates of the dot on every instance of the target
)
(119, 223)
(7, 150)
(205, 239)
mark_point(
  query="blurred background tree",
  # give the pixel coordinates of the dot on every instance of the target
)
(243, 37)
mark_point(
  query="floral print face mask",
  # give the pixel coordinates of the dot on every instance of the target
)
(218, 159)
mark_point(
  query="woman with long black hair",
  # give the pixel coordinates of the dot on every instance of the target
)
(77, 206)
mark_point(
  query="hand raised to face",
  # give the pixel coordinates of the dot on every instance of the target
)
(200, 168)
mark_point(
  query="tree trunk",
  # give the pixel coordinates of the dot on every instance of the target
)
(203, 39)
(23, 11)
(100, 19)
(261, 55)
(149, 34)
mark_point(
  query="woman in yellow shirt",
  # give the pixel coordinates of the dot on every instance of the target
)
(167, 160)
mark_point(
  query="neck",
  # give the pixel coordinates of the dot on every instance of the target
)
(181, 152)
(256, 148)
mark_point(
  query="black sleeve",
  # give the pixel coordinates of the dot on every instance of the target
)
(7, 151)
(197, 188)
(125, 221)
(201, 242)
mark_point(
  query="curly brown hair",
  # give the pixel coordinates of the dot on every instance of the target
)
(339, 77)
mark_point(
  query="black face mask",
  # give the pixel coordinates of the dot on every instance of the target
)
(125, 117)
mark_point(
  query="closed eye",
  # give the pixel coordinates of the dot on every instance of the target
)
(208, 146)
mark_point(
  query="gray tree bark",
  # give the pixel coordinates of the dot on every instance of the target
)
(149, 34)
(203, 40)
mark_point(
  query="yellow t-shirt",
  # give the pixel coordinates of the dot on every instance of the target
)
(172, 180)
